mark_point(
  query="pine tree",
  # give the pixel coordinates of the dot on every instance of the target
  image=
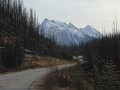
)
(109, 78)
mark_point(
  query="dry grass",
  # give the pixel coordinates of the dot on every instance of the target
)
(34, 61)
(72, 78)
(43, 61)
(56, 80)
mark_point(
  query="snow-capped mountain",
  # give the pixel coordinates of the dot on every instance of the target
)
(67, 34)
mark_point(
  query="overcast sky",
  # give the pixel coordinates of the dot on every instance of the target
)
(79, 12)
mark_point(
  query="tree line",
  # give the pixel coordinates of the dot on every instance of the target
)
(103, 61)
(19, 30)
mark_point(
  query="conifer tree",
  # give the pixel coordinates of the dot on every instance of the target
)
(109, 78)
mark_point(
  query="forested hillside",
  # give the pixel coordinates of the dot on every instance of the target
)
(19, 24)
(103, 61)
(19, 31)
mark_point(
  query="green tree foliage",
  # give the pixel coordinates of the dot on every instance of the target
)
(109, 78)
(78, 77)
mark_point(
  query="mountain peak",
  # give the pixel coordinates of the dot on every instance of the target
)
(89, 26)
(70, 25)
(89, 30)
(56, 21)
(45, 19)
(67, 34)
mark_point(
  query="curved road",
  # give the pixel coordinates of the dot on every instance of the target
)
(23, 80)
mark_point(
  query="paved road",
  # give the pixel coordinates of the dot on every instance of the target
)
(23, 80)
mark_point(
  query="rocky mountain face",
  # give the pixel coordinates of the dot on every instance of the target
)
(67, 34)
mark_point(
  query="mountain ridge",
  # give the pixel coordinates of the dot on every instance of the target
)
(67, 34)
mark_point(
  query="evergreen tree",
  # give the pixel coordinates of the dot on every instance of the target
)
(109, 78)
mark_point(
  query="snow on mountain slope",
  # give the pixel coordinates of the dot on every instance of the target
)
(67, 34)
(90, 31)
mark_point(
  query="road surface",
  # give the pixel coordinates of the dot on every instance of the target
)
(24, 79)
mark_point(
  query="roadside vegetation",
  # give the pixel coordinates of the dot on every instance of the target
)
(103, 60)
(35, 61)
(72, 78)
(43, 61)
(20, 34)
(101, 70)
